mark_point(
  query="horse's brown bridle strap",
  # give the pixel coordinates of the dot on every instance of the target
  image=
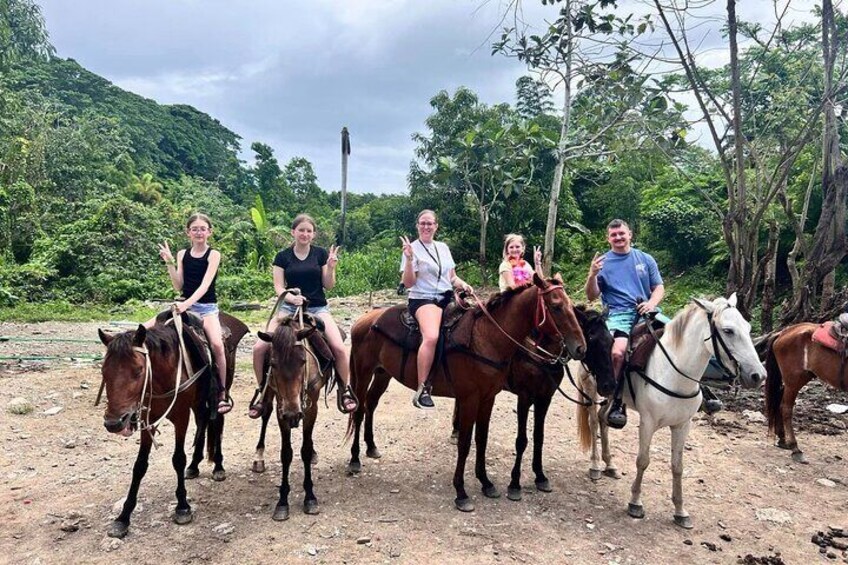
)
(533, 355)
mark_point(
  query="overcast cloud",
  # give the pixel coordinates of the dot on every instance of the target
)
(291, 73)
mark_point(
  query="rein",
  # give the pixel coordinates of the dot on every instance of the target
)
(548, 357)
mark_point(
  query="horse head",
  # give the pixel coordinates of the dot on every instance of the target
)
(289, 372)
(598, 348)
(124, 372)
(729, 340)
(555, 303)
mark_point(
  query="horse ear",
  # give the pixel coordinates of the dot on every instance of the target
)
(558, 278)
(140, 334)
(705, 304)
(105, 337)
(305, 332)
(264, 336)
(731, 300)
(539, 281)
(605, 312)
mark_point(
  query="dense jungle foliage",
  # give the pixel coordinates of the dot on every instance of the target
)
(92, 176)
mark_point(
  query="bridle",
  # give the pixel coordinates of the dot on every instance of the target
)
(540, 319)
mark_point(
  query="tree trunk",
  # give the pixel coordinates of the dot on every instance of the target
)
(766, 314)
(828, 292)
(556, 184)
(484, 225)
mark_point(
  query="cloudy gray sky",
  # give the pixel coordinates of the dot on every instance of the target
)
(291, 73)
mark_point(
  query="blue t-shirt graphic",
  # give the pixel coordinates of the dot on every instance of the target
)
(625, 278)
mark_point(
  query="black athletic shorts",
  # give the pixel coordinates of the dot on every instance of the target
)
(416, 303)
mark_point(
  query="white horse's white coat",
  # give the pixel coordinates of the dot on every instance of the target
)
(687, 340)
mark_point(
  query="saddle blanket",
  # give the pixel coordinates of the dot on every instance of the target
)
(824, 336)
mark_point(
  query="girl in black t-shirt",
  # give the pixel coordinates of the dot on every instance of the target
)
(311, 269)
(193, 274)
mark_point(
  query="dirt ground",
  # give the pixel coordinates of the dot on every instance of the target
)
(61, 476)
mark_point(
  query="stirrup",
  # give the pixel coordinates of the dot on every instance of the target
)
(617, 417)
(346, 393)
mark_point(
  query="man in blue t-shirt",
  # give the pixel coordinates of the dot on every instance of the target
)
(628, 283)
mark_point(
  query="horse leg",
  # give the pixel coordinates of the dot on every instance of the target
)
(787, 409)
(281, 512)
(467, 414)
(610, 470)
(539, 414)
(455, 425)
(481, 439)
(513, 491)
(307, 451)
(355, 465)
(218, 472)
(378, 386)
(259, 455)
(121, 524)
(678, 441)
(193, 471)
(646, 434)
(182, 514)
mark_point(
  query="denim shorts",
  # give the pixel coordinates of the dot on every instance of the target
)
(286, 308)
(203, 310)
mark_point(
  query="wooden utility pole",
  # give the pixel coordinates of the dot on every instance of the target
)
(342, 235)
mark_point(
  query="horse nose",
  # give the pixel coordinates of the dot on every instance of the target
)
(579, 351)
(293, 420)
(757, 378)
(115, 425)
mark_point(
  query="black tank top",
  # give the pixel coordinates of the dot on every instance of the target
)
(193, 272)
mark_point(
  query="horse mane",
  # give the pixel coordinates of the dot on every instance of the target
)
(158, 339)
(586, 310)
(677, 327)
(284, 339)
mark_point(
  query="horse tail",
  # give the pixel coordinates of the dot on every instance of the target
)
(774, 389)
(584, 432)
(211, 443)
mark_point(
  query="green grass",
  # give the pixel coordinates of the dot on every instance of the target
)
(61, 311)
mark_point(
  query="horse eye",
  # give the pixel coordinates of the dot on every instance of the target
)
(728, 331)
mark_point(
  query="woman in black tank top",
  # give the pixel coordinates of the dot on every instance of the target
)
(193, 274)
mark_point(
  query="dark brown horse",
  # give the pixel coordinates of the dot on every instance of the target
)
(794, 359)
(535, 383)
(152, 356)
(296, 379)
(476, 372)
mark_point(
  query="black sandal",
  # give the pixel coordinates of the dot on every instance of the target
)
(343, 395)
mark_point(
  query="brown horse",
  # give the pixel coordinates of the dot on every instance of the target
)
(296, 379)
(139, 375)
(793, 359)
(475, 372)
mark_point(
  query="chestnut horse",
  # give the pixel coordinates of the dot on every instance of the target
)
(140, 371)
(475, 373)
(296, 379)
(667, 393)
(793, 359)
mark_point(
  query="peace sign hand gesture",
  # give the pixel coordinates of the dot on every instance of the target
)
(407, 247)
(537, 256)
(333, 256)
(165, 253)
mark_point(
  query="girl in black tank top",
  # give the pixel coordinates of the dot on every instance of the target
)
(193, 275)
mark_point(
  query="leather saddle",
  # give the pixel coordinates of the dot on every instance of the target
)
(642, 343)
(397, 324)
(833, 335)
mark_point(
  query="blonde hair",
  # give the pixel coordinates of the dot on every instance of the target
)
(509, 238)
(198, 216)
(427, 211)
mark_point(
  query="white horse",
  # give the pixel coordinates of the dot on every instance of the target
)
(703, 329)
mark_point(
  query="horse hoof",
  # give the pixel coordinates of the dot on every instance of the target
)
(118, 530)
(491, 492)
(191, 473)
(281, 513)
(595, 474)
(782, 444)
(513, 494)
(258, 467)
(799, 457)
(544, 486)
(635, 511)
(373, 453)
(464, 505)
(219, 475)
(314, 458)
(310, 507)
(612, 473)
(354, 467)
(454, 438)
(684, 522)
(183, 516)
